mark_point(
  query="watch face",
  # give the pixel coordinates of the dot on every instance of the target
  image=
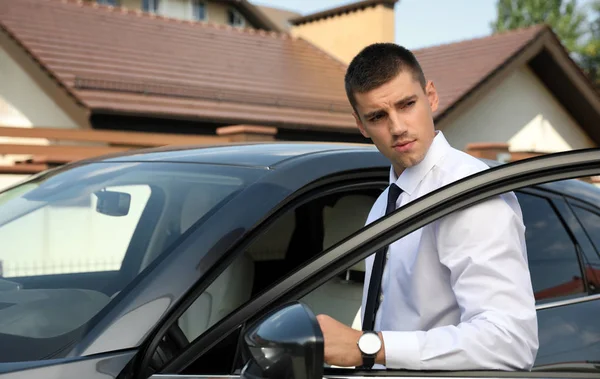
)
(369, 343)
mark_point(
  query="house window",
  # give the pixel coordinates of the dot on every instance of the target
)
(199, 10)
(234, 18)
(150, 6)
(108, 2)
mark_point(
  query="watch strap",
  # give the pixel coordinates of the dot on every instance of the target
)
(368, 362)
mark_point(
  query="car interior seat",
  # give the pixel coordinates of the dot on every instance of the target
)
(338, 298)
(269, 250)
(231, 288)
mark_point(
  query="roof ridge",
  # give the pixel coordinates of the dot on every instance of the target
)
(342, 9)
(541, 27)
(194, 23)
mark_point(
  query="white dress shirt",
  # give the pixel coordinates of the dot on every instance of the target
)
(457, 293)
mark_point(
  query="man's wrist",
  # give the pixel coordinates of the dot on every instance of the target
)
(380, 358)
(380, 355)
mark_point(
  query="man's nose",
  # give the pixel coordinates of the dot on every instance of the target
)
(397, 125)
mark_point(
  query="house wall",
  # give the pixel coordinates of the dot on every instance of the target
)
(343, 36)
(7, 180)
(176, 8)
(522, 113)
(216, 12)
(20, 91)
(131, 4)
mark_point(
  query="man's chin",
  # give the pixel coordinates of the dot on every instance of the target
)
(409, 161)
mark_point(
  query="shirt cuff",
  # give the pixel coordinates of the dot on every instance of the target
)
(402, 350)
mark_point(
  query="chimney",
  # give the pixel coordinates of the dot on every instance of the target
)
(344, 31)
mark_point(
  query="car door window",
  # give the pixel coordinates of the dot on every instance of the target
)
(591, 224)
(553, 261)
(293, 238)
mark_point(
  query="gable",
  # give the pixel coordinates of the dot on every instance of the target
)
(23, 93)
(522, 112)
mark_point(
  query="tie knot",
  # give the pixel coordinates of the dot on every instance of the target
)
(393, 193)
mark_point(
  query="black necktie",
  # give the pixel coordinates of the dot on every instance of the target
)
(377, 271)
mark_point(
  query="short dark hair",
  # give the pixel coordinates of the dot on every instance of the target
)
(376, 65)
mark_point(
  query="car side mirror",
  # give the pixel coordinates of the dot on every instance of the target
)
(285, 344)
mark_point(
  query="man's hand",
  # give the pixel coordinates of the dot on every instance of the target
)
(341, 347)
(340, 343)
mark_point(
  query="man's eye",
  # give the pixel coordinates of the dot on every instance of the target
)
(376, 118)
(410, 104)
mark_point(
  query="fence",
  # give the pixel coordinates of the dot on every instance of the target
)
(16, 268)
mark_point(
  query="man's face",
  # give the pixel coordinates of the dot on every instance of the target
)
(398, 117)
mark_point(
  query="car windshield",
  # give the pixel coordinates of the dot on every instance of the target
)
(72, 239)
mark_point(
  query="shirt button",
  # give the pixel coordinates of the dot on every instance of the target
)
(387, 255)
(381, 298)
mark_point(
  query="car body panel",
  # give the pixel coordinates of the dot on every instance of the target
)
(259, 155)
(104, 366)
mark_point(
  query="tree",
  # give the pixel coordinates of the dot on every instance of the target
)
(567, 20)
(590, 50)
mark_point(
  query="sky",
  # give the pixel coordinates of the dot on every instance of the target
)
(419, 23)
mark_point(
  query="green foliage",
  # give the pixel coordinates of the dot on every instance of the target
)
(578, 29)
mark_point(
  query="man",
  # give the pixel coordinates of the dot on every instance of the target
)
(455, 294)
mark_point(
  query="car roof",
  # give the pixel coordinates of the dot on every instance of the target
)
(270, 154)
(263, 154)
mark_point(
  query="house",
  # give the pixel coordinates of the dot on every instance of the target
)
(85, 68)
(240, 13)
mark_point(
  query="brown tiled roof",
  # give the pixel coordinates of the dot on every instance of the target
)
(114, 60)
(457, 68)
(352, 7)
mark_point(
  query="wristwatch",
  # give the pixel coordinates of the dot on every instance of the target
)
(369, 345)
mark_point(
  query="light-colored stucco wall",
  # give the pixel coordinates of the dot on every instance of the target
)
(20, 91)
(343, 36)
(520, 112)
(7, 180)
(176, 8)
(216, 12)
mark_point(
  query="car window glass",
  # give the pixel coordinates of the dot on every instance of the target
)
(591, 223)
(553, 262)
(71, 237)
(293, 238)
(74, 238)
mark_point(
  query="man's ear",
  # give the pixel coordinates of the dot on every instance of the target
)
(432, 96)
(360, 125)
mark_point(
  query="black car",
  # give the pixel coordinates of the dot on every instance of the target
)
(177, 261)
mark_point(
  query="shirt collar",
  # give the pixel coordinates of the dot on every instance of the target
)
(412, 176)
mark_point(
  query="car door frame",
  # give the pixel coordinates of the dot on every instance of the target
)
(357, 247)
(361, 178)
